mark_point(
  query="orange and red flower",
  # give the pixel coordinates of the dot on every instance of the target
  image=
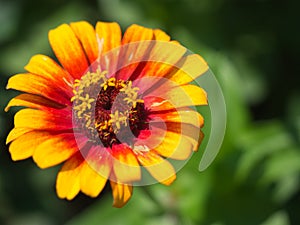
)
(114, 104)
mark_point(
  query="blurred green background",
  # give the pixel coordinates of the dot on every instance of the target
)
(253, 48)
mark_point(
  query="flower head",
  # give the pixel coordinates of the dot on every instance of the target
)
(112, 105)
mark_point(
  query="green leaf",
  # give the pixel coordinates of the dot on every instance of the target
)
(278, 218)
(281, 166)
(258, 143)
(286, 187)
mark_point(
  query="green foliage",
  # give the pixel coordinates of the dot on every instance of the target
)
(251, 46)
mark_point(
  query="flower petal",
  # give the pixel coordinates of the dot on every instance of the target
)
(167, 144)
(44, 120)
(111, 35)
(158, 167)
(91, 182)
(184, 122)
(171, 66)
(159, 61)
(137, 33)
(68, 50)
(121, 194)
(95, 171)
(134, 51)
(24, 146)
(190, 67)
(35, 84)
(98, 159)
(160, 35)
(132, 59)
(68, 178)
(87, 36)
(176, 97)
(125, 165)
(175, 146)
(192, 133)
(31, 101)
(182, 115)
(46, 67)
(55, 150)
(15, 133)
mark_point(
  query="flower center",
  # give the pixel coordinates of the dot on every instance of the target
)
(113, 115)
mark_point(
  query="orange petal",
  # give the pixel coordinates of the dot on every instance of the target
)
(167, 144)
(137, 33)
(91, 183)
(95, 171)
(45, 120)
(154, 69)
(166, 53)
(31, 101)
(125, 165)
(131, 56)
(68, 50)
(182, 115)
(184, 122)
(190, 67)
(158, 167)
(159, 60)
(176, 97)
(55, 150)
(24, 146)
(192, 133)
(175, 146)
(15, 133)
(121, 194)
(86, 34)
(132, 59)
(98, 159)
(35, 84)
(160, 35)
(175, 42)
(68, 178)
(109, 40)
(46, 67)
(111, 35)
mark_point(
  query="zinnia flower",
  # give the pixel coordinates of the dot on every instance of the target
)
(112, 106)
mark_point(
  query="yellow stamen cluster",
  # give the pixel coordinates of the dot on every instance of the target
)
(132, 94)
(120, 118)
(117, 119)
(84, 105)
(83, 102)
(112, 82)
